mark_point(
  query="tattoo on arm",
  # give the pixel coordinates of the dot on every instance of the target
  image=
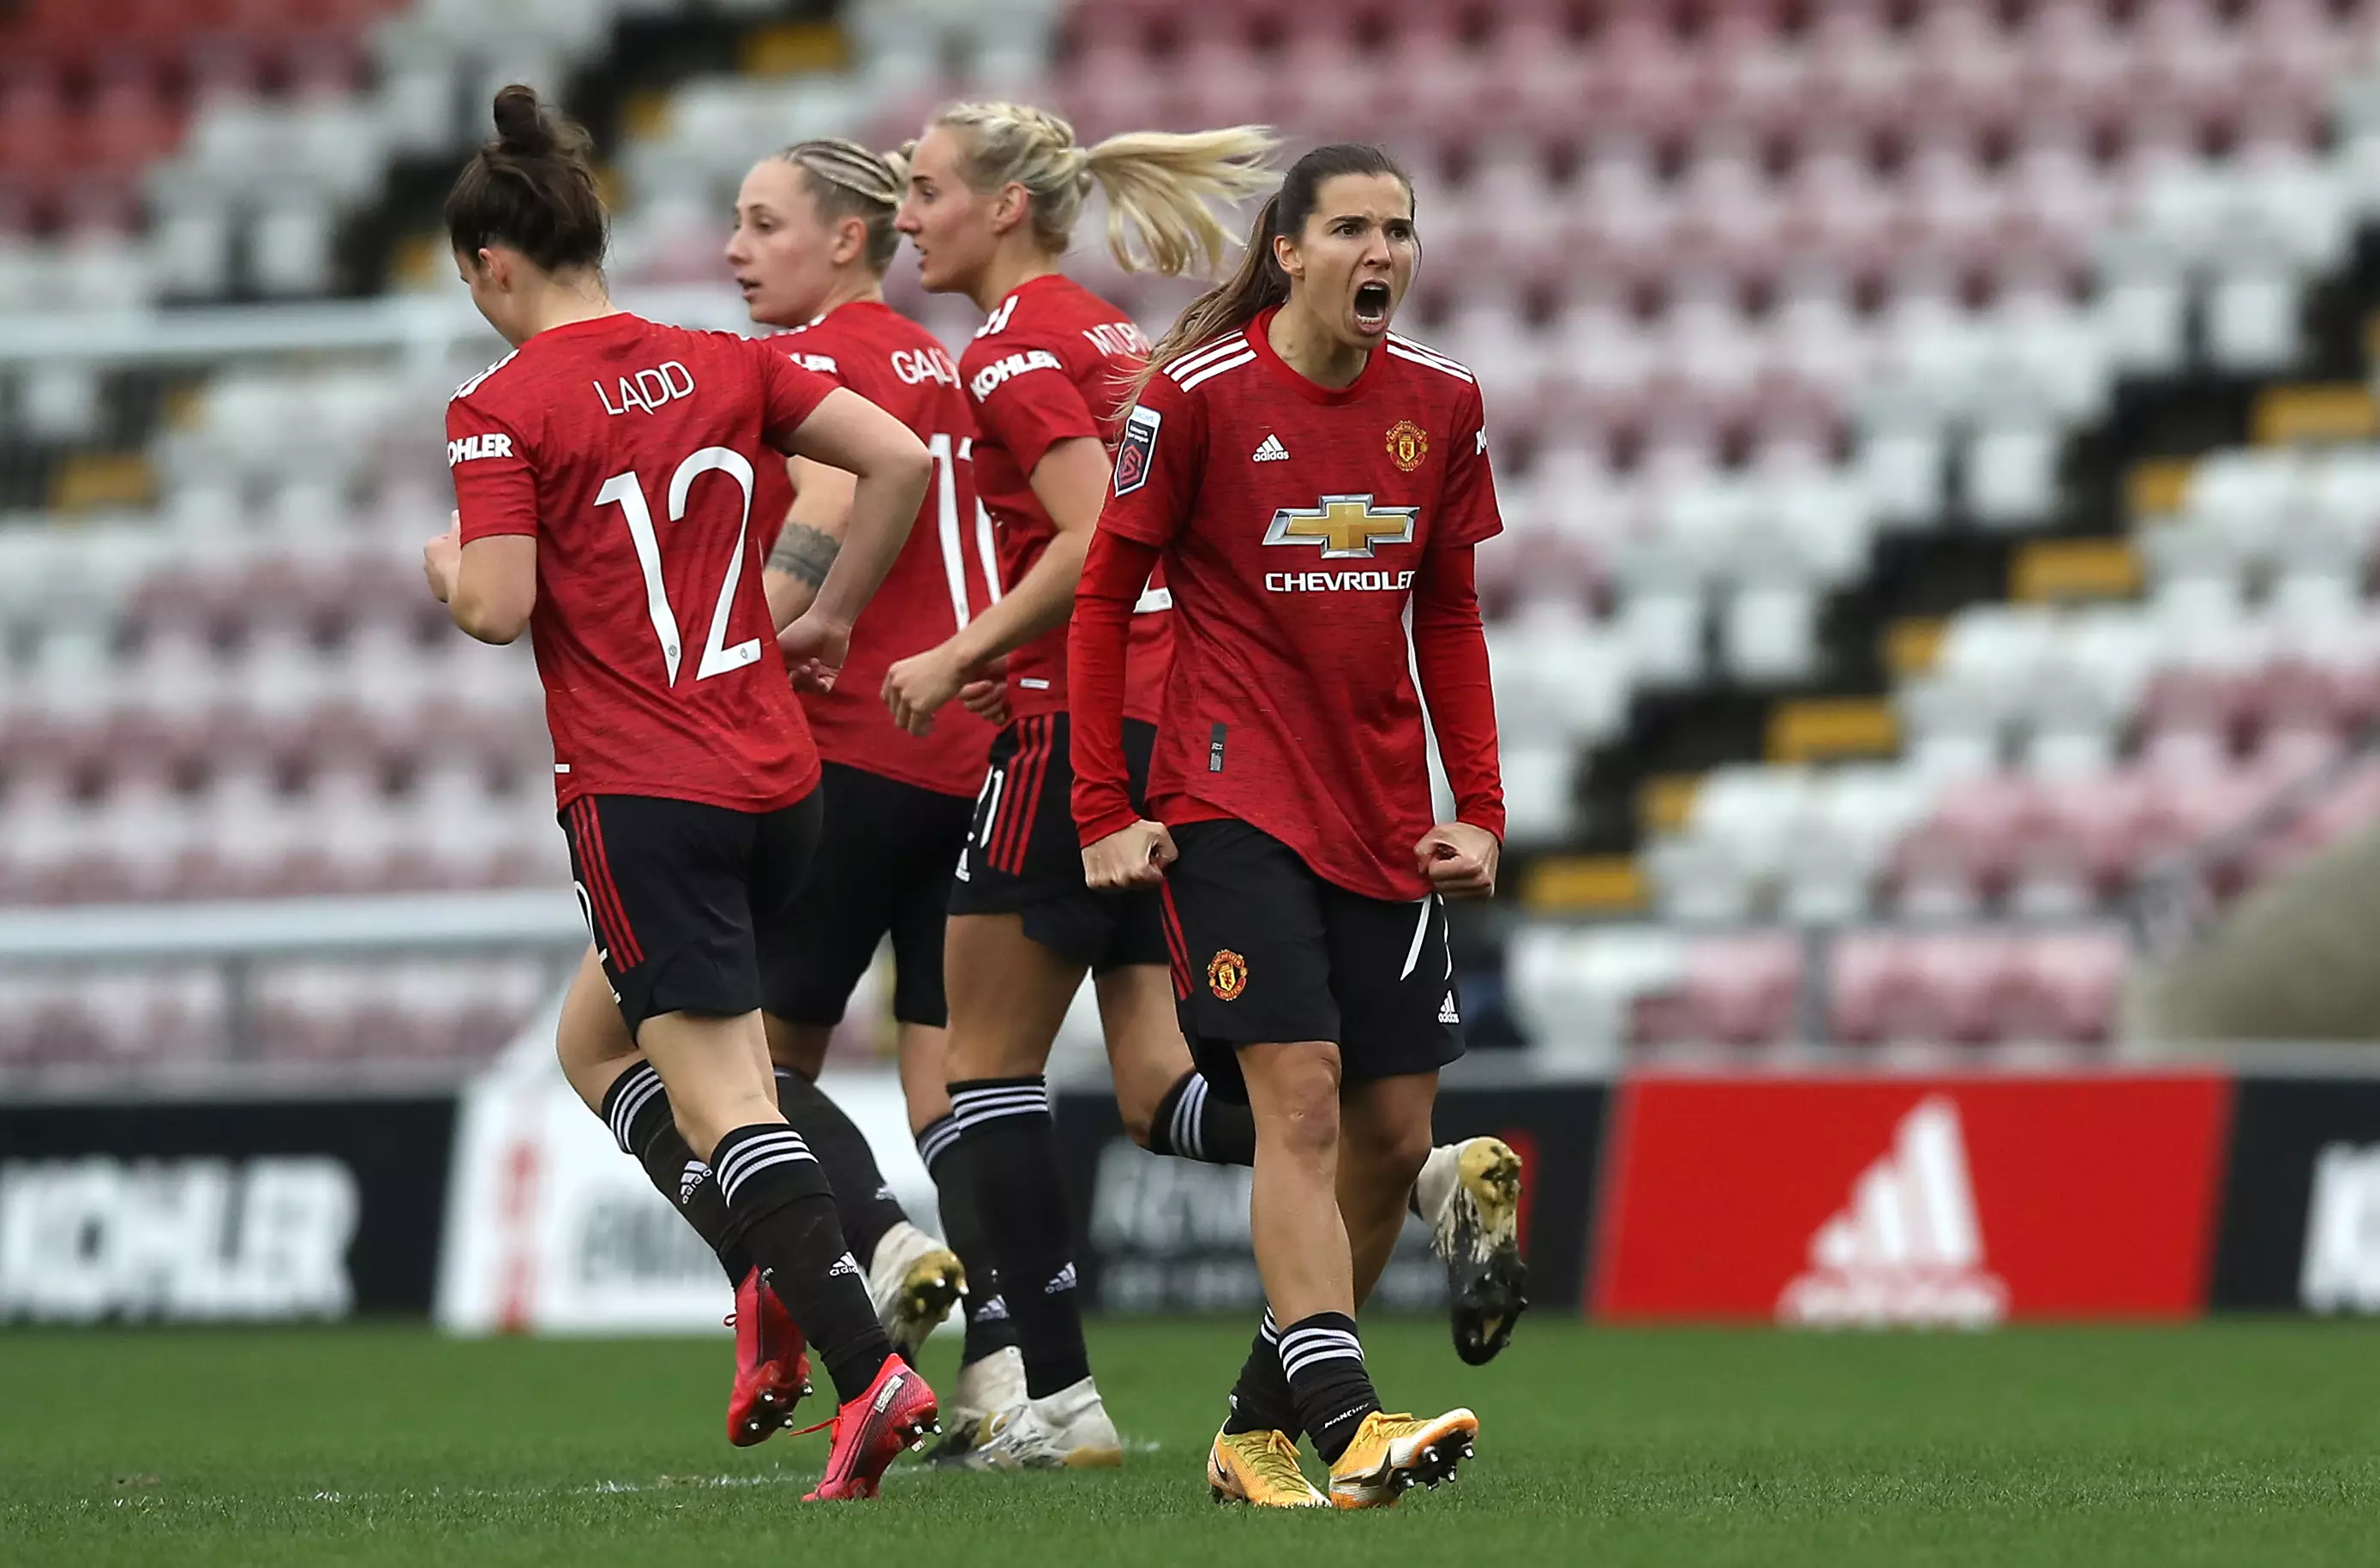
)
(804, 552)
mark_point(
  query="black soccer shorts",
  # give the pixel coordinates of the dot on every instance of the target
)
(883, 867)
(689, 903)
(1023, 858)
(1265, 952)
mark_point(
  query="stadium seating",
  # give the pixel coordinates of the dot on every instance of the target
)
(1666, 989)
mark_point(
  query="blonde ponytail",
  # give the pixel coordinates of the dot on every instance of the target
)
(1161, 187)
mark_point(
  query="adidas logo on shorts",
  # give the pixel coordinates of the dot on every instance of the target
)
(846, 1264)
(1446, 1013)
(1272, 451)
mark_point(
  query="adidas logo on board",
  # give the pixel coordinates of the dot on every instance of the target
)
(1907, 1248)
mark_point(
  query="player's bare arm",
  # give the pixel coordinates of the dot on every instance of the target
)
(890, 469)
(492, 584)
(1071, 482)
(806, 550)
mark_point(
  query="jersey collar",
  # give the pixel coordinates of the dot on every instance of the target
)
(591, 326)
(1260, 340)
(1046, 281)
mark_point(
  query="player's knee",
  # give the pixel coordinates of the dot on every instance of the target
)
(1138, 1097)
(1402, 1152)
(1303, 1111)
(797, 1049)
(1390, 1151)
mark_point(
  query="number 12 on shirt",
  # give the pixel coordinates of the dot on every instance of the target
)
(627, 492)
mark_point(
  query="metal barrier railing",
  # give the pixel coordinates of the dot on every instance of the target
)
(237, 937)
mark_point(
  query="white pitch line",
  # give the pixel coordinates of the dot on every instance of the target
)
(667, 1483)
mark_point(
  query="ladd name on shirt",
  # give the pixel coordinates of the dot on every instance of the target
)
(648, 390)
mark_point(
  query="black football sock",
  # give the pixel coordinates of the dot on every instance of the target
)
(1009, 1147)
(638, 1113)
(989, 1326)
(863, 1202)
(1194, 1123)
(780, 1207)
(1261, 1401)
(1325, 1362)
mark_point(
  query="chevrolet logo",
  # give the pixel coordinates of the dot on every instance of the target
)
(1343, 525)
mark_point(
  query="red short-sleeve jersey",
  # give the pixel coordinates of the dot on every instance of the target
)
(947, 572)
(646, 462)
(1293, 520)
(1053, 362)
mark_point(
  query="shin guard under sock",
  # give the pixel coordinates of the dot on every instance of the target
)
(1195, 1124)
(1009, 1148)
(637, 1112)
(863, 1202)
(988, 1326)
(1261, 1400)
(1325, 1362)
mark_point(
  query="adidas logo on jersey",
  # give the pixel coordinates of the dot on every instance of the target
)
(1064, 1281)
(1907, 1248)
(1446, 1011)
(998, 320)
(689, 1179)
(1272, 451)
(846, 1264)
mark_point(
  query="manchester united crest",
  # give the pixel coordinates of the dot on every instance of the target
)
(1407, 445)
(1227, 975)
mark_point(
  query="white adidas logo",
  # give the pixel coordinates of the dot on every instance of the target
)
(1907, 1248)
(1063, 1280)
(1272, 451)
(689, 1179)
(1446, 1013)
(846, 1264)
(2339, 1271)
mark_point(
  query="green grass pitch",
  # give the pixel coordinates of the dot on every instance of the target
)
(2248, 1443)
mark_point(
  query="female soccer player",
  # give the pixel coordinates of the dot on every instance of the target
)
(1304, 477)
(994, 193)
(813, 238)
(607, 473)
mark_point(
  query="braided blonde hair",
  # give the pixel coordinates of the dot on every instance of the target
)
(1161, 187)
(848, 181)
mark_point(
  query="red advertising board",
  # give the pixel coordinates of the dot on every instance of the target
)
(1963, 1201)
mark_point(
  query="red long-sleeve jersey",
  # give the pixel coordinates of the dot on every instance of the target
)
(1297, 525)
